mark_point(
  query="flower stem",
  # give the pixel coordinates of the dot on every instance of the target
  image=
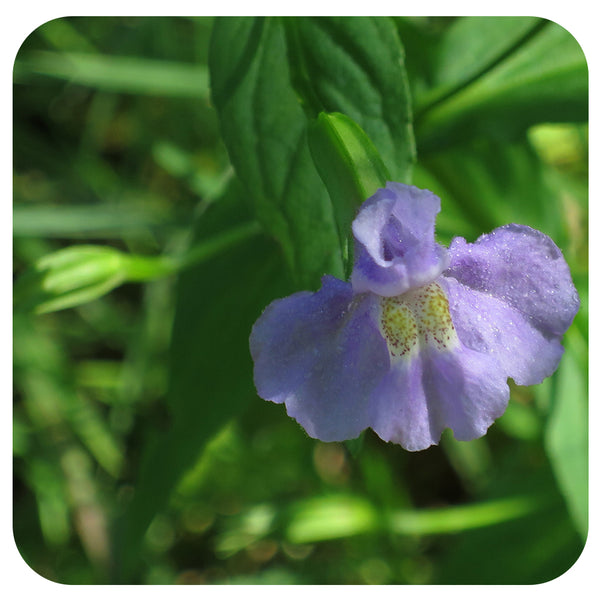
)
(150, 268)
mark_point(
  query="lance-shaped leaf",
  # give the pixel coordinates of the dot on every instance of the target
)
(264, 129)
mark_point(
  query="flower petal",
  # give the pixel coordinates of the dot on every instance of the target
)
(321, 354)
(466, 392)
(492, 326)
(419, 398)
(398, 409)
(525, 269)
(395, 247)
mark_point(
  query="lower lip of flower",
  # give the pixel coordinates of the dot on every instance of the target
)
(415, 320)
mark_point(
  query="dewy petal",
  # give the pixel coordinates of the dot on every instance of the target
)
(395, 248)
(522, 267)
(398, 408)
(465, 391)
(491, 326)
(321, 354)
(511, 295)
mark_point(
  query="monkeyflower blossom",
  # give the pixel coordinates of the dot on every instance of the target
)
(423, 337)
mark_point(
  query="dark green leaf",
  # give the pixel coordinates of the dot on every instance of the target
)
(485, 183)
(533, 549)
(210, 364)
(544, 79)
(470, 47)
(355, 66)
(264, 129)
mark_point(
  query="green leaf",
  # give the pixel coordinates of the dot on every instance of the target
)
(336, 516)
(469, 48)
(535, 547)
(46, 481)
(122, 74)
(567, 430)
(210, 364)
(483, 184)
(331, 517)
(81, 221)
(543, 79)
(264, 129)
(355, 66)
(348, 164)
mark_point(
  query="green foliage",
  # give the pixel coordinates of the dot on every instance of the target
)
(541, 78)
(257, 93)
(127, 75)
(80, 274)
(171, 178)
(209, 338)
(566, 435)
(355, 66)
(349, 166)
(264, 129)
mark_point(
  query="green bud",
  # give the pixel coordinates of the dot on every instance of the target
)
(349, 165)
(79, 274)
(69, 277)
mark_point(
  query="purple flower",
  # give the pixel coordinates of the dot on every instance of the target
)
(423, 337)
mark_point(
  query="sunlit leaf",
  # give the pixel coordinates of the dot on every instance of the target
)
(567, 430)
(350, 167)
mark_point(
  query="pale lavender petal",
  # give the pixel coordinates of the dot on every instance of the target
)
(398, 408)
(321, 354)
(492, 326)
(419, 398)
(395, 248)
(522, 267)
(466, 392)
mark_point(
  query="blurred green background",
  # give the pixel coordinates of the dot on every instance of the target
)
(117, 145)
